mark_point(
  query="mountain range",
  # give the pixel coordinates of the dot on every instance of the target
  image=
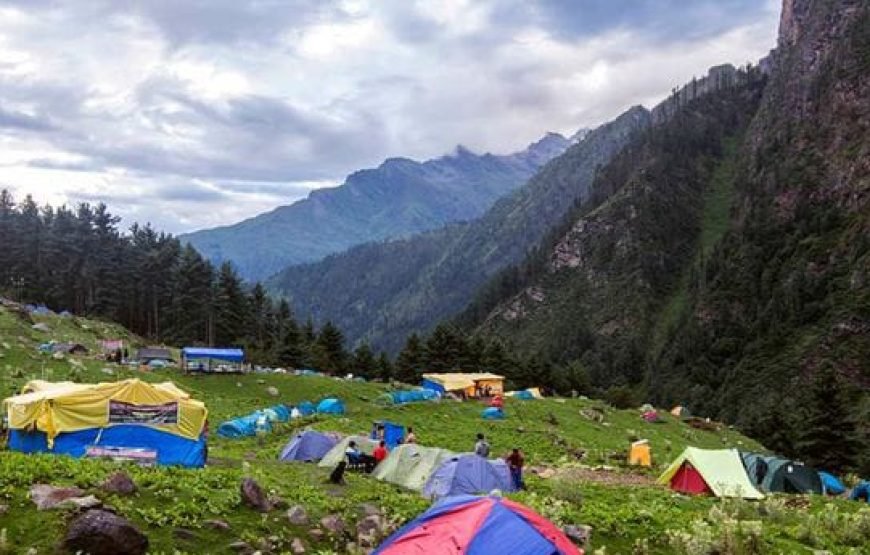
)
(399, 198)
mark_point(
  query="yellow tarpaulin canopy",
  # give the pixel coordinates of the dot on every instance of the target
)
(55, 408)
(456, 381)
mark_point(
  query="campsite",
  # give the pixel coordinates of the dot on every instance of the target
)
(576, 452)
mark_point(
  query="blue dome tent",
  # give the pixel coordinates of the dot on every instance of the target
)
(244, 426)
(330, 406)
(308, 446)
(306, 408)
(492, 413)
(468, 474)
(831, 485)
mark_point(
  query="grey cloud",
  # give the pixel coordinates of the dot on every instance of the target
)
(17, 120)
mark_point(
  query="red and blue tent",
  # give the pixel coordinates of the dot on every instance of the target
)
(470, 525)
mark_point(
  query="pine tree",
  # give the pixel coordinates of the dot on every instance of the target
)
(445, 350)
(364, 363)
(330, 349)
(827, 435)
(384, 368)
(231, 307)
(410, 362)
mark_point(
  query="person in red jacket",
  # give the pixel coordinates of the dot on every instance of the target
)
(380, 452)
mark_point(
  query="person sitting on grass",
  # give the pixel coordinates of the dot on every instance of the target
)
(352, 453)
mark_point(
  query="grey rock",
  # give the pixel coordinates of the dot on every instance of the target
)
(578, 534)
(87, 502)
(333, 524)
(297, 547)
(48, 497)
(253, 496)
(216, 524)
(4, 509)
(368, 509)
(369, 531)
(120, 483)
(316, 534)
(99, 532)
(278, 502)
(184, 534)
(297, 515)
(272, 391)
(241, 547)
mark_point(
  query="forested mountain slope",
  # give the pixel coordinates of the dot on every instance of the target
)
(726, 266)
(381, 292)
(398, 198)
(595, 292)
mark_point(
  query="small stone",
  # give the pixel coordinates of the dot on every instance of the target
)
(316, 534)
(87, 502)
(119, 483)
(103, 533)
(333, 524)
(241, 547)
(184, 534)
(369, 531)
(278, 502)
(297, 547)
(216, 524)
(261, 382)
(272, 391)
(253, 496)
(4, 509)
(297, 515)
(368, 509)
(578, 534)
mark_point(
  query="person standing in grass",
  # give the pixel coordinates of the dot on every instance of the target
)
(515, 463)
(410, 438)
(380, 452)
(481, 448)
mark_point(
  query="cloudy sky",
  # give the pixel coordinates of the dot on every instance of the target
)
(195, 113)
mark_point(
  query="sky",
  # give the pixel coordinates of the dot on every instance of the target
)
(194, 113)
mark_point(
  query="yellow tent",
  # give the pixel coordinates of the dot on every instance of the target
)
(467, 383)
(55, 408)
(640, 453)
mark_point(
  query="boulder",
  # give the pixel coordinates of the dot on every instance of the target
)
(297, 515)
(87, 502)
(333, 524)
(48, 497)
(103, 533)
(119, 483)
(253, 496)
(297, 547)
(367, 509)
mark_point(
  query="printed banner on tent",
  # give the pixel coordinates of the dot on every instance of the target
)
(128, 413)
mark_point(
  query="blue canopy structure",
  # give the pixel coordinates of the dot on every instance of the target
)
(492, 413)
(330, 406)
(831, 485)
(308, 446)
(468, 474)
(229, 355)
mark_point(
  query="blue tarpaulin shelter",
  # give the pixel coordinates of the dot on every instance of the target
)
(308, 446)
(831, 485)
(394, 434)
(330, 406)
(414, 396)
(492, 413)
(468, 474)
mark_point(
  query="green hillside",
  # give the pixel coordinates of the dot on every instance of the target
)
(627, 512)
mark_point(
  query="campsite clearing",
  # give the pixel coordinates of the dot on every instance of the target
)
(624, 512)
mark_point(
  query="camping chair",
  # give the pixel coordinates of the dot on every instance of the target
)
(355, 462)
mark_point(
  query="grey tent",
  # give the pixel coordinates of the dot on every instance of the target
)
(147, 354)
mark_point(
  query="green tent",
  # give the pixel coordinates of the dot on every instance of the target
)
(410, 465)
(715, 471)
(336, 454)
